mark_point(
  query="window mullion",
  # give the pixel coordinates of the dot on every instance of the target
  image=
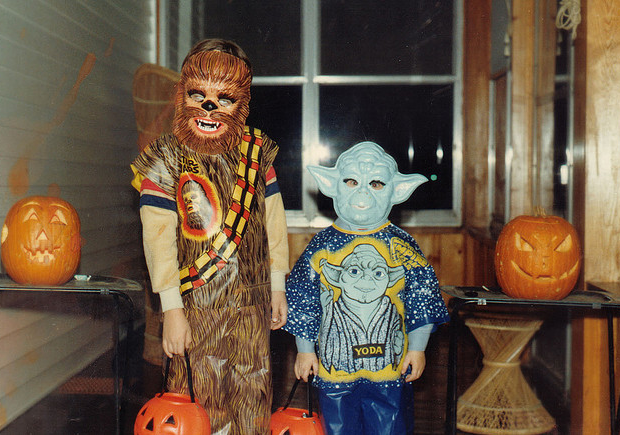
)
(310, 46)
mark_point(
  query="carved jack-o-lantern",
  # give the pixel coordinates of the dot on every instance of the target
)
(41, 241)
(172, 413)
(537, 257)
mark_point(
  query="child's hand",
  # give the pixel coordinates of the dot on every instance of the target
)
(279, 308)
(417, 360)
(176, 336)
(305, 365)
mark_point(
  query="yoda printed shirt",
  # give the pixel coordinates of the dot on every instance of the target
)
(357, 295)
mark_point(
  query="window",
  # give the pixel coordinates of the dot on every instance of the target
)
(331, 73)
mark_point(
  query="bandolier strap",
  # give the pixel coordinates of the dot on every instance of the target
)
(226, 242)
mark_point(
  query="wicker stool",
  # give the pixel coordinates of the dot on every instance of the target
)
(500, 401)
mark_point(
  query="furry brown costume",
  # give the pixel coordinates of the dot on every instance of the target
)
(224, 259)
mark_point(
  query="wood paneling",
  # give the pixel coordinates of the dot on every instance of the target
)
(597, 207)
(522, 107)
(544, 104)
(458, 258)
(476, 74)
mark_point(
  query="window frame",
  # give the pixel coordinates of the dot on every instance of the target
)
(311, 81)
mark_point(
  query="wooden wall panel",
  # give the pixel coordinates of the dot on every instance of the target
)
(597, 204)
(476, 74)
(479, 255)
(444, 249)
(544, 104)
(522, 107)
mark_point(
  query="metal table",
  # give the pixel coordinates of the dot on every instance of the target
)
(595, 299)
(107, 287)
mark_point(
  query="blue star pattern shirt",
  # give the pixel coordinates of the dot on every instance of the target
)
(358, 295)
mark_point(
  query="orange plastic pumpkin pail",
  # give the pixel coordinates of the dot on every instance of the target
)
(296, 421)
(173, 413)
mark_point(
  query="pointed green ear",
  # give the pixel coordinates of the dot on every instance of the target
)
(326, 178)
(404, 185)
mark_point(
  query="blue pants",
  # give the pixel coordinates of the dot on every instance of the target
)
(366, 409)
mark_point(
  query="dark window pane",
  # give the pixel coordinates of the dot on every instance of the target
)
(404, 120)
(366, 37)
(564, 43)
(269, 32)
(276, 110)
(560, 165)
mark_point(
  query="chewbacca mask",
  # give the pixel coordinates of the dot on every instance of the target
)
(212, 102)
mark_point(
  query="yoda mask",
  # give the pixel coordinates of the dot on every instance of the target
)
(364, 185)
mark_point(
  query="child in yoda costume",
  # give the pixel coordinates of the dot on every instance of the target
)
(364, 297)
(215, 240)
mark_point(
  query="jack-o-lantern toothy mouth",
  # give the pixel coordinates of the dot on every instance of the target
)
(207, 125)
(543, 278)
(43, 257)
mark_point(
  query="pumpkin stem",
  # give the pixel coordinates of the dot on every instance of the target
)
(539, 211)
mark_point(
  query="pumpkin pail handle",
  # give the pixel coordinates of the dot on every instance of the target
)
(190, 384)
(292, 393)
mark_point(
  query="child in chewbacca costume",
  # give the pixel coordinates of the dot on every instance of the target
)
(215, 240)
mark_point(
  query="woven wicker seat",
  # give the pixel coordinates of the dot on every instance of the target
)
(500, 401)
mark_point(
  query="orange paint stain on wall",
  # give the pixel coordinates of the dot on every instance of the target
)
(108, 51)
(18, 177)
(32, 357)
(19, 181)
(53, 190)
(2, 415)
(10, 388)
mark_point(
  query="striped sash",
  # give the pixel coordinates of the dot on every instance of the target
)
(226, 242)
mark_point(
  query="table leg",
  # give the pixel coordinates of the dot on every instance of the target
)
(612, 375)
(117, 401)
(455, 324)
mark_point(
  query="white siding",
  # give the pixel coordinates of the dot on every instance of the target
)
(66, 115)
(46, 349)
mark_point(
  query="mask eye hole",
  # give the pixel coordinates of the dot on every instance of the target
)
(196, 95)
(522, 245)
(565, 245)
(377, 185)
(350, 182)
(226, 100)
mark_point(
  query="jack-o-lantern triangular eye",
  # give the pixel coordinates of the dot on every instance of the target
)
(565, 245)
(521, 244)
(31, 215)
(58, 218)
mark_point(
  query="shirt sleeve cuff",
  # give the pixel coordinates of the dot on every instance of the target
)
(304, 346)
(418, 338)
(170, 299)
(278, 280)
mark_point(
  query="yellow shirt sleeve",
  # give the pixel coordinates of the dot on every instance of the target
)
(277, 235)
(159, 237)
